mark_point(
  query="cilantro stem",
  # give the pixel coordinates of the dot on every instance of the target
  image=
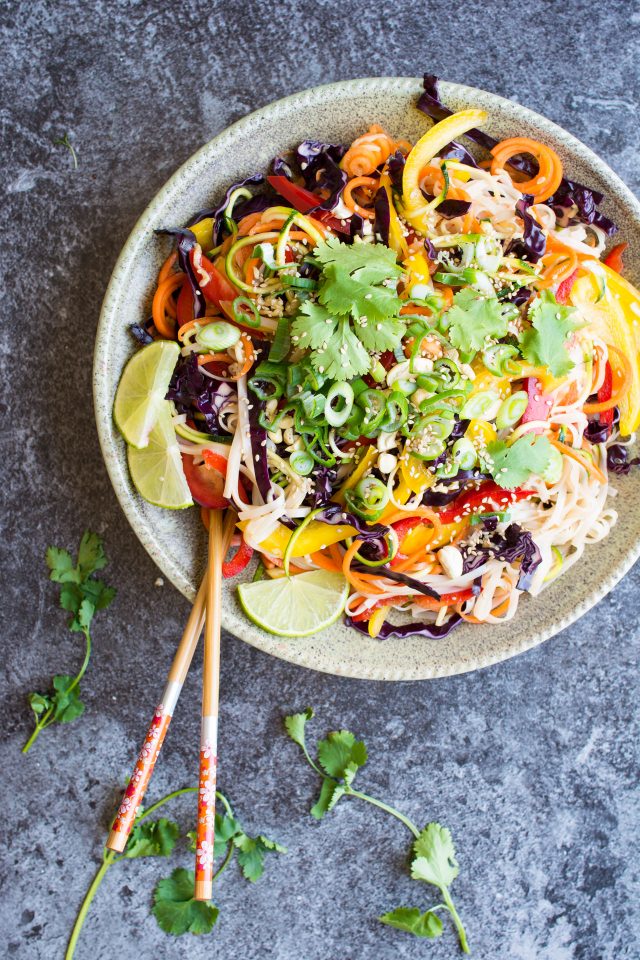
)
(161, 802)
(385, 806)
(225, 863)
(108, 858)
(462, 934)
(48, 717)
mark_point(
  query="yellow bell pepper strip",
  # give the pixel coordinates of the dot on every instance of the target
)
(397, 240)
(599, 304)
(203, 231)
(367, 460)
(311, 539)
(428, 147)
(417, 274)
(424, 536)
(415, 476)
(377, 620)
(627, 296)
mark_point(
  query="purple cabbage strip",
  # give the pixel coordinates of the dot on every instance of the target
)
(336, 514)
(356, 227)
(618, 459)
(192, 391)
(597, 431)
(455, 151)
(450, 209)
(319, 164)
(140, 332)
(258, 437)
(515, 544)
(382, 221)
(395, 168)
(217, 212)
(571, 194)
(186, 243)
(280, 168)
(422, 629)
(534, 242)
(399, 577)
(324, 478)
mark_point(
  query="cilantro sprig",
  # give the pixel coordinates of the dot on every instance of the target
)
(357, 309)
(544, 343)
(174, 907)
(81, 594)
(511, 465)
(340, 756)
(473, 320)
(64, 141)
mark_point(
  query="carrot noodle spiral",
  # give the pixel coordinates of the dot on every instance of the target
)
(366, 153)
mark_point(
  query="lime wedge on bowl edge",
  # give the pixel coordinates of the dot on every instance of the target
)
(298, 606)
(142, 389)
(156, 470)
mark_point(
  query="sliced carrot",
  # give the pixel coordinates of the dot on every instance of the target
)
(366, 183)
(549, 175)
(165, 327)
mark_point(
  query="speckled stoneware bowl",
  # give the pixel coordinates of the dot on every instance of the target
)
(176, 541)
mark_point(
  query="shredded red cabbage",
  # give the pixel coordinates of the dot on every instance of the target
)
(395, 168)
(533, 244)
(335, 514)
(382, 221)
(515, 544)
(422, 629)
(319, 164)
(324, 479)
(194, 393)
(618, 459)
(399, 577)
(141, 333)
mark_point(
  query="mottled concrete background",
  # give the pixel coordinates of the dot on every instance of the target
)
(533, 763)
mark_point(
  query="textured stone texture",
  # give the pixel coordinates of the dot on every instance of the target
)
(533, 763)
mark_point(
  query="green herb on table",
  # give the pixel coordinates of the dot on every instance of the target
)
(339, 758)
(81, 594)
(174, 908)
(65, 142)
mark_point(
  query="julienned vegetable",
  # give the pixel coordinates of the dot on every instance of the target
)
(389, 349)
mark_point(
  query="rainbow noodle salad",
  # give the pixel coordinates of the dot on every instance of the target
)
(411, 365)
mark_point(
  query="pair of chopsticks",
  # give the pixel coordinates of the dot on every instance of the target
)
(206, 610)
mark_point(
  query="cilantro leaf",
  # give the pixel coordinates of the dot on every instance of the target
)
(155, 838)
(410, 919)
(175, 909)
(544, 344)
(251, 854)
(380, 334)
(91, 556)
(314, 326)
(325, 801)
(473, 319)
(369, 263)
(512, 465)
(343, 357)
(435, 857)
(339, 751)
(295, 726)
(61, 565)
(343, 293)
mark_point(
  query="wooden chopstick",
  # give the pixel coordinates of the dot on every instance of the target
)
(209, 724)
(136, 789)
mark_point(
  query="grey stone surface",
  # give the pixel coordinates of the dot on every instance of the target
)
(532, 763)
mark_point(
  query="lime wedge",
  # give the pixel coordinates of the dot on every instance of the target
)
(156, 470)
(142, 389)
(296, 607)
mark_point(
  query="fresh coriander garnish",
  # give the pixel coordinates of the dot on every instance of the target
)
(82, 595)
(474, 319)
(65, 142)
(339, 758)
(174, 907)
(544, 343)
(511, 465)
(357, 312)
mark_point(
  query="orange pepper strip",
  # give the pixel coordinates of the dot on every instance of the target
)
(158, 307)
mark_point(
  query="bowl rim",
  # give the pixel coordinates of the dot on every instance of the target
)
(138, 236)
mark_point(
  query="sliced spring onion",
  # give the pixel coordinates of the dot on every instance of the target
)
(378, 372)
(498, 359)
(368, 498)
(281, 342)
(375, 407)
(512, 409)
(302, 283)
(405, 386)
(286, 558)
(239, 308)
(302, 462)
(464, 453)
(338, 404)
(218, 335)
(553, 470)
(483, 405)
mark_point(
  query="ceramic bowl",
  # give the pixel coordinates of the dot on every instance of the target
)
(176, 540)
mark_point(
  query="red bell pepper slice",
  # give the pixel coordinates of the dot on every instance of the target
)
(184, 306)
(604, 393)
(564, 289)
(468, 502)
(614, 258)
(304, 201)
(206, 480)
(231, 568)
(212, 282)
(537, 407)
